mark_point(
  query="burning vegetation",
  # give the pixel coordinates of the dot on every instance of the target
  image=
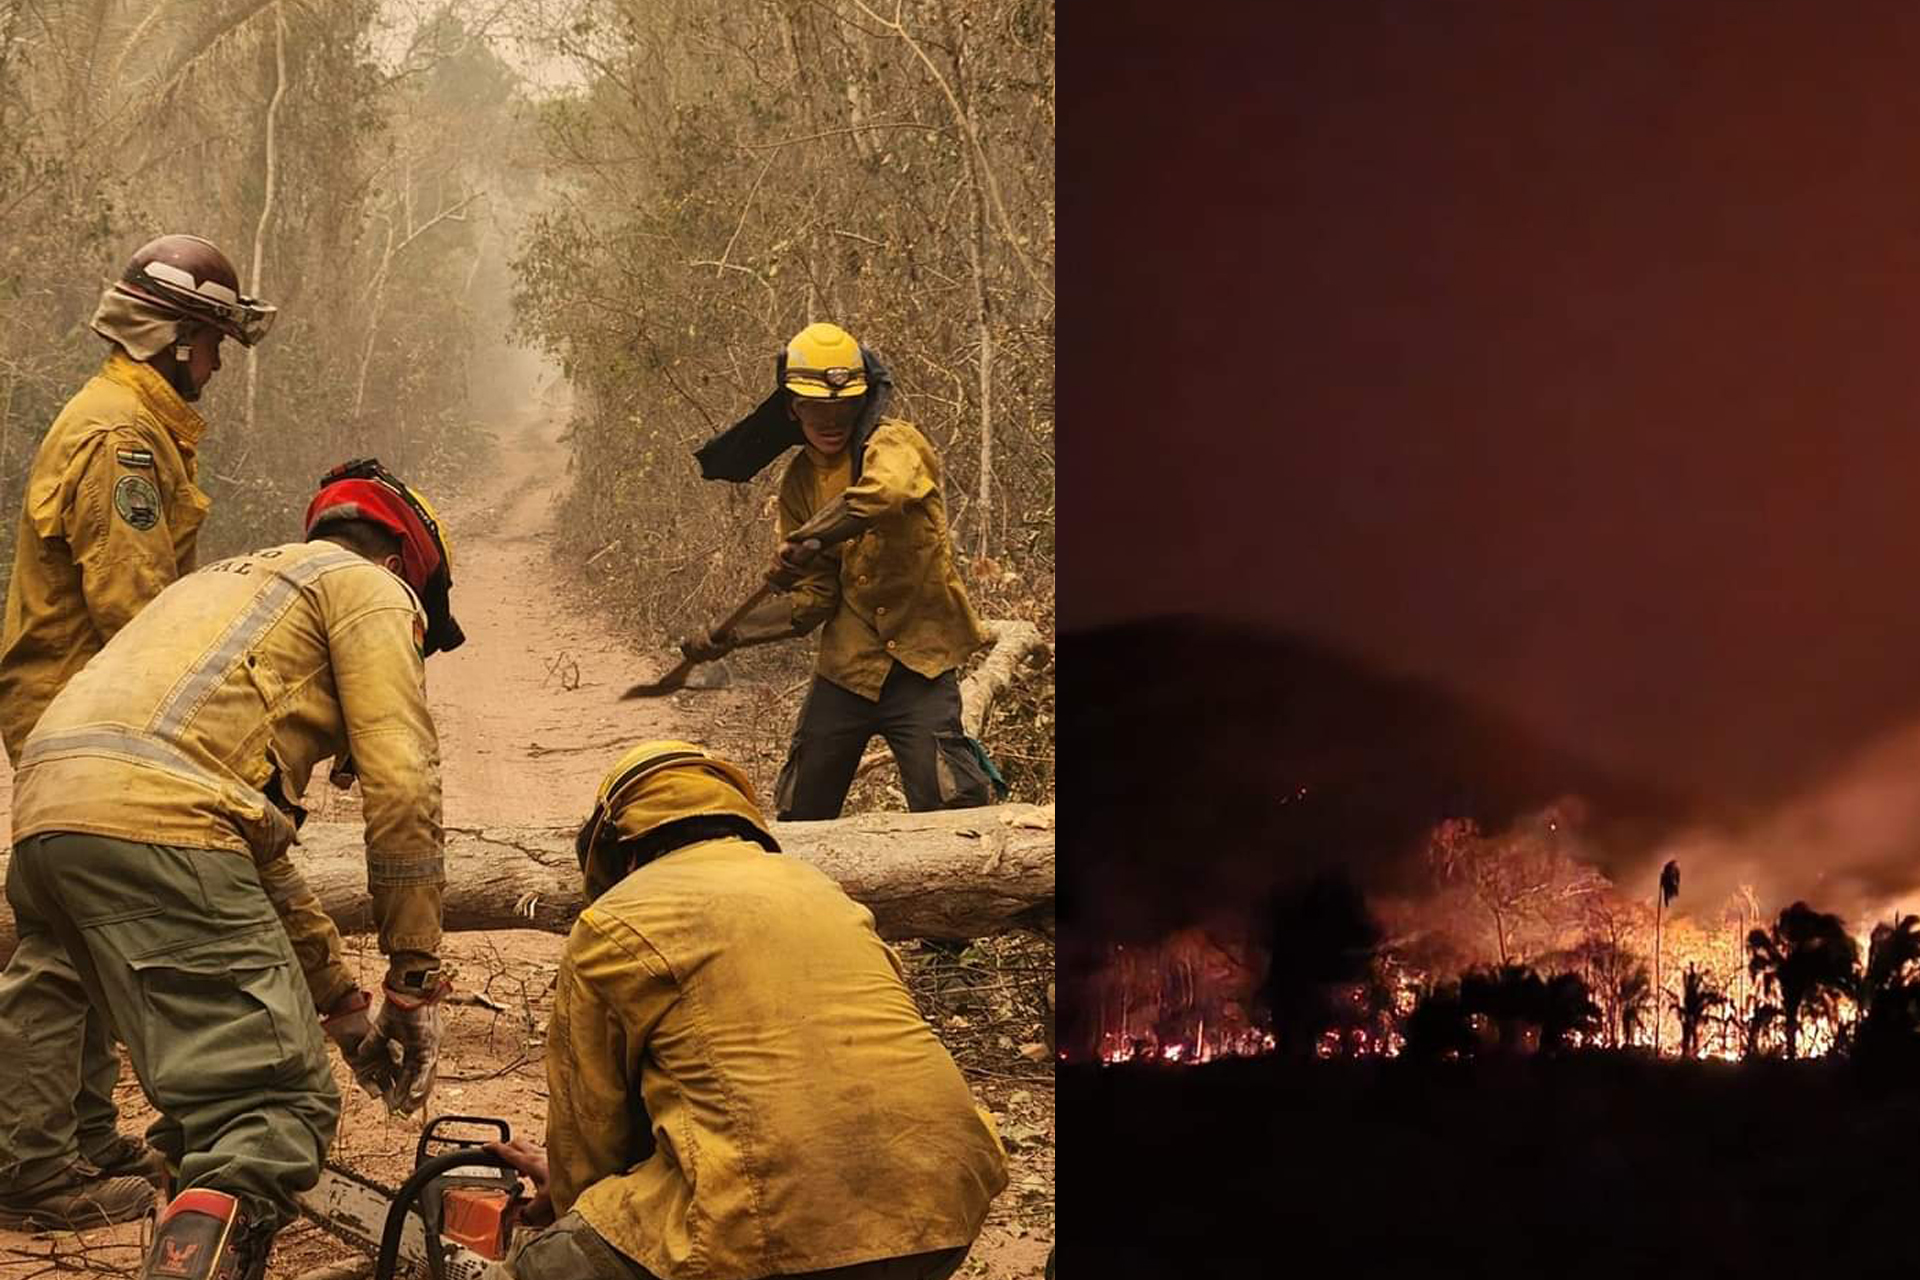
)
(1512, 944)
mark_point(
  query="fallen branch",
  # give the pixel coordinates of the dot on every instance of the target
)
(1012, 643)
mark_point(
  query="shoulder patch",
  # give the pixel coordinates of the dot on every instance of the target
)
(135, 458)
(136, 501)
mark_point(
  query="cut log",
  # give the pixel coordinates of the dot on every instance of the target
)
(962, 873)
(1012, 643)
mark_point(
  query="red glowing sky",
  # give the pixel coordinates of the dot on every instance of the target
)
(1568, 353)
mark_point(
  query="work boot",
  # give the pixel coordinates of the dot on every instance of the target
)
(205, 1235)
(79, 1200)
(129, 1155)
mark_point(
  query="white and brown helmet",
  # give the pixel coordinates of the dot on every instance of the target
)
(188, 277)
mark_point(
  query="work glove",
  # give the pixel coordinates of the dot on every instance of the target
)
(707, 646)
(351, 1030)
(403, 1053)
(789, 562)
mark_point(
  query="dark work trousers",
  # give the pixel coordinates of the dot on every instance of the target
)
(919, 718)
(571, 1249)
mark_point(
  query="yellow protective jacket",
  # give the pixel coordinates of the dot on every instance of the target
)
(739, 1008)
(891, 594)
(241, 676)
(110, 517)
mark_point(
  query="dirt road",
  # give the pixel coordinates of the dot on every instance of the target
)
(526, 710)
(528, 722)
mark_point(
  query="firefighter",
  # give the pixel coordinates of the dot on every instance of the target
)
(739, 1082)
(152, 813)
(110, 517)
(897, 621)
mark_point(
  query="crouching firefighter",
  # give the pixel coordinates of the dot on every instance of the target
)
(866, 488)
(739, 1082)
(152, 815)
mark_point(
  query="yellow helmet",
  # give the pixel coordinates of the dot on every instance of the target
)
(657, 783)
(823, 362)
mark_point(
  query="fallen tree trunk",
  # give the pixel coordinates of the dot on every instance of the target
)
(963, 873)
(1013, 642)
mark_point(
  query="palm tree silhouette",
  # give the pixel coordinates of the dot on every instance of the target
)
(1632, 997)
(1439, 1029)
(1890, 993)
(1808, 958)
(1695, 1004)
(1669, 890)
(1570, 1011)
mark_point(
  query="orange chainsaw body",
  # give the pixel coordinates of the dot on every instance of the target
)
(477, 1217)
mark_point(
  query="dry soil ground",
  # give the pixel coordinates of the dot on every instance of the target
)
(528, 721)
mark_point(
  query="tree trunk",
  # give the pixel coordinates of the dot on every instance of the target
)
(1657, 992)
(1013, 641)
(266, 213)
(961, 873)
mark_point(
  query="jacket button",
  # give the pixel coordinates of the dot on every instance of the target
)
(864, 579)
(881, 612)
(892, 645)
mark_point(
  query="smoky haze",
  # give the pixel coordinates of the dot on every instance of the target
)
(1562, 354)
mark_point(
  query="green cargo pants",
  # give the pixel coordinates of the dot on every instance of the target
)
(58, 1105)
(183, 950)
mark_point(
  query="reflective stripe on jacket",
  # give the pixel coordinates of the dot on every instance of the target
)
(238, 679)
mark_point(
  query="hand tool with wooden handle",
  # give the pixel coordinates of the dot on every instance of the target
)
(676, 679)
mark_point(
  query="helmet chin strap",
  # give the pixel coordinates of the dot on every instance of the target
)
(178, 375)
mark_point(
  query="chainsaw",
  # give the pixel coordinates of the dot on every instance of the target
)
(453, 1216)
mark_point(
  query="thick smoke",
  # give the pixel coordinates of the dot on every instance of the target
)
(1849, 843)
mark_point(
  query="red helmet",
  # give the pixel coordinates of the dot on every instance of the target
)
(187, 277)
(364, 490)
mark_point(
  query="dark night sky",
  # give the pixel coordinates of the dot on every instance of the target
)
(1567, 353)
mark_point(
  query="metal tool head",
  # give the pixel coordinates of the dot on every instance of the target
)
(672, 682)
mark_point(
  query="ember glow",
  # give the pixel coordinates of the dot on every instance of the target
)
(1526, 900)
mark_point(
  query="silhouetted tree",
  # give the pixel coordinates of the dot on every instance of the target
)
(1512, 998)
(1632, 998)
(1320, 934)
(1808, 958)
(1890, 995)
(1439, 1028)
(1570, 1010)
(1758, 1023)
(1694, 1005)
(1669, 889)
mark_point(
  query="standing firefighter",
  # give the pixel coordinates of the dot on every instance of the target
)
(152, 816)
(898, 624)
(740, 1084)
(110, 517)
